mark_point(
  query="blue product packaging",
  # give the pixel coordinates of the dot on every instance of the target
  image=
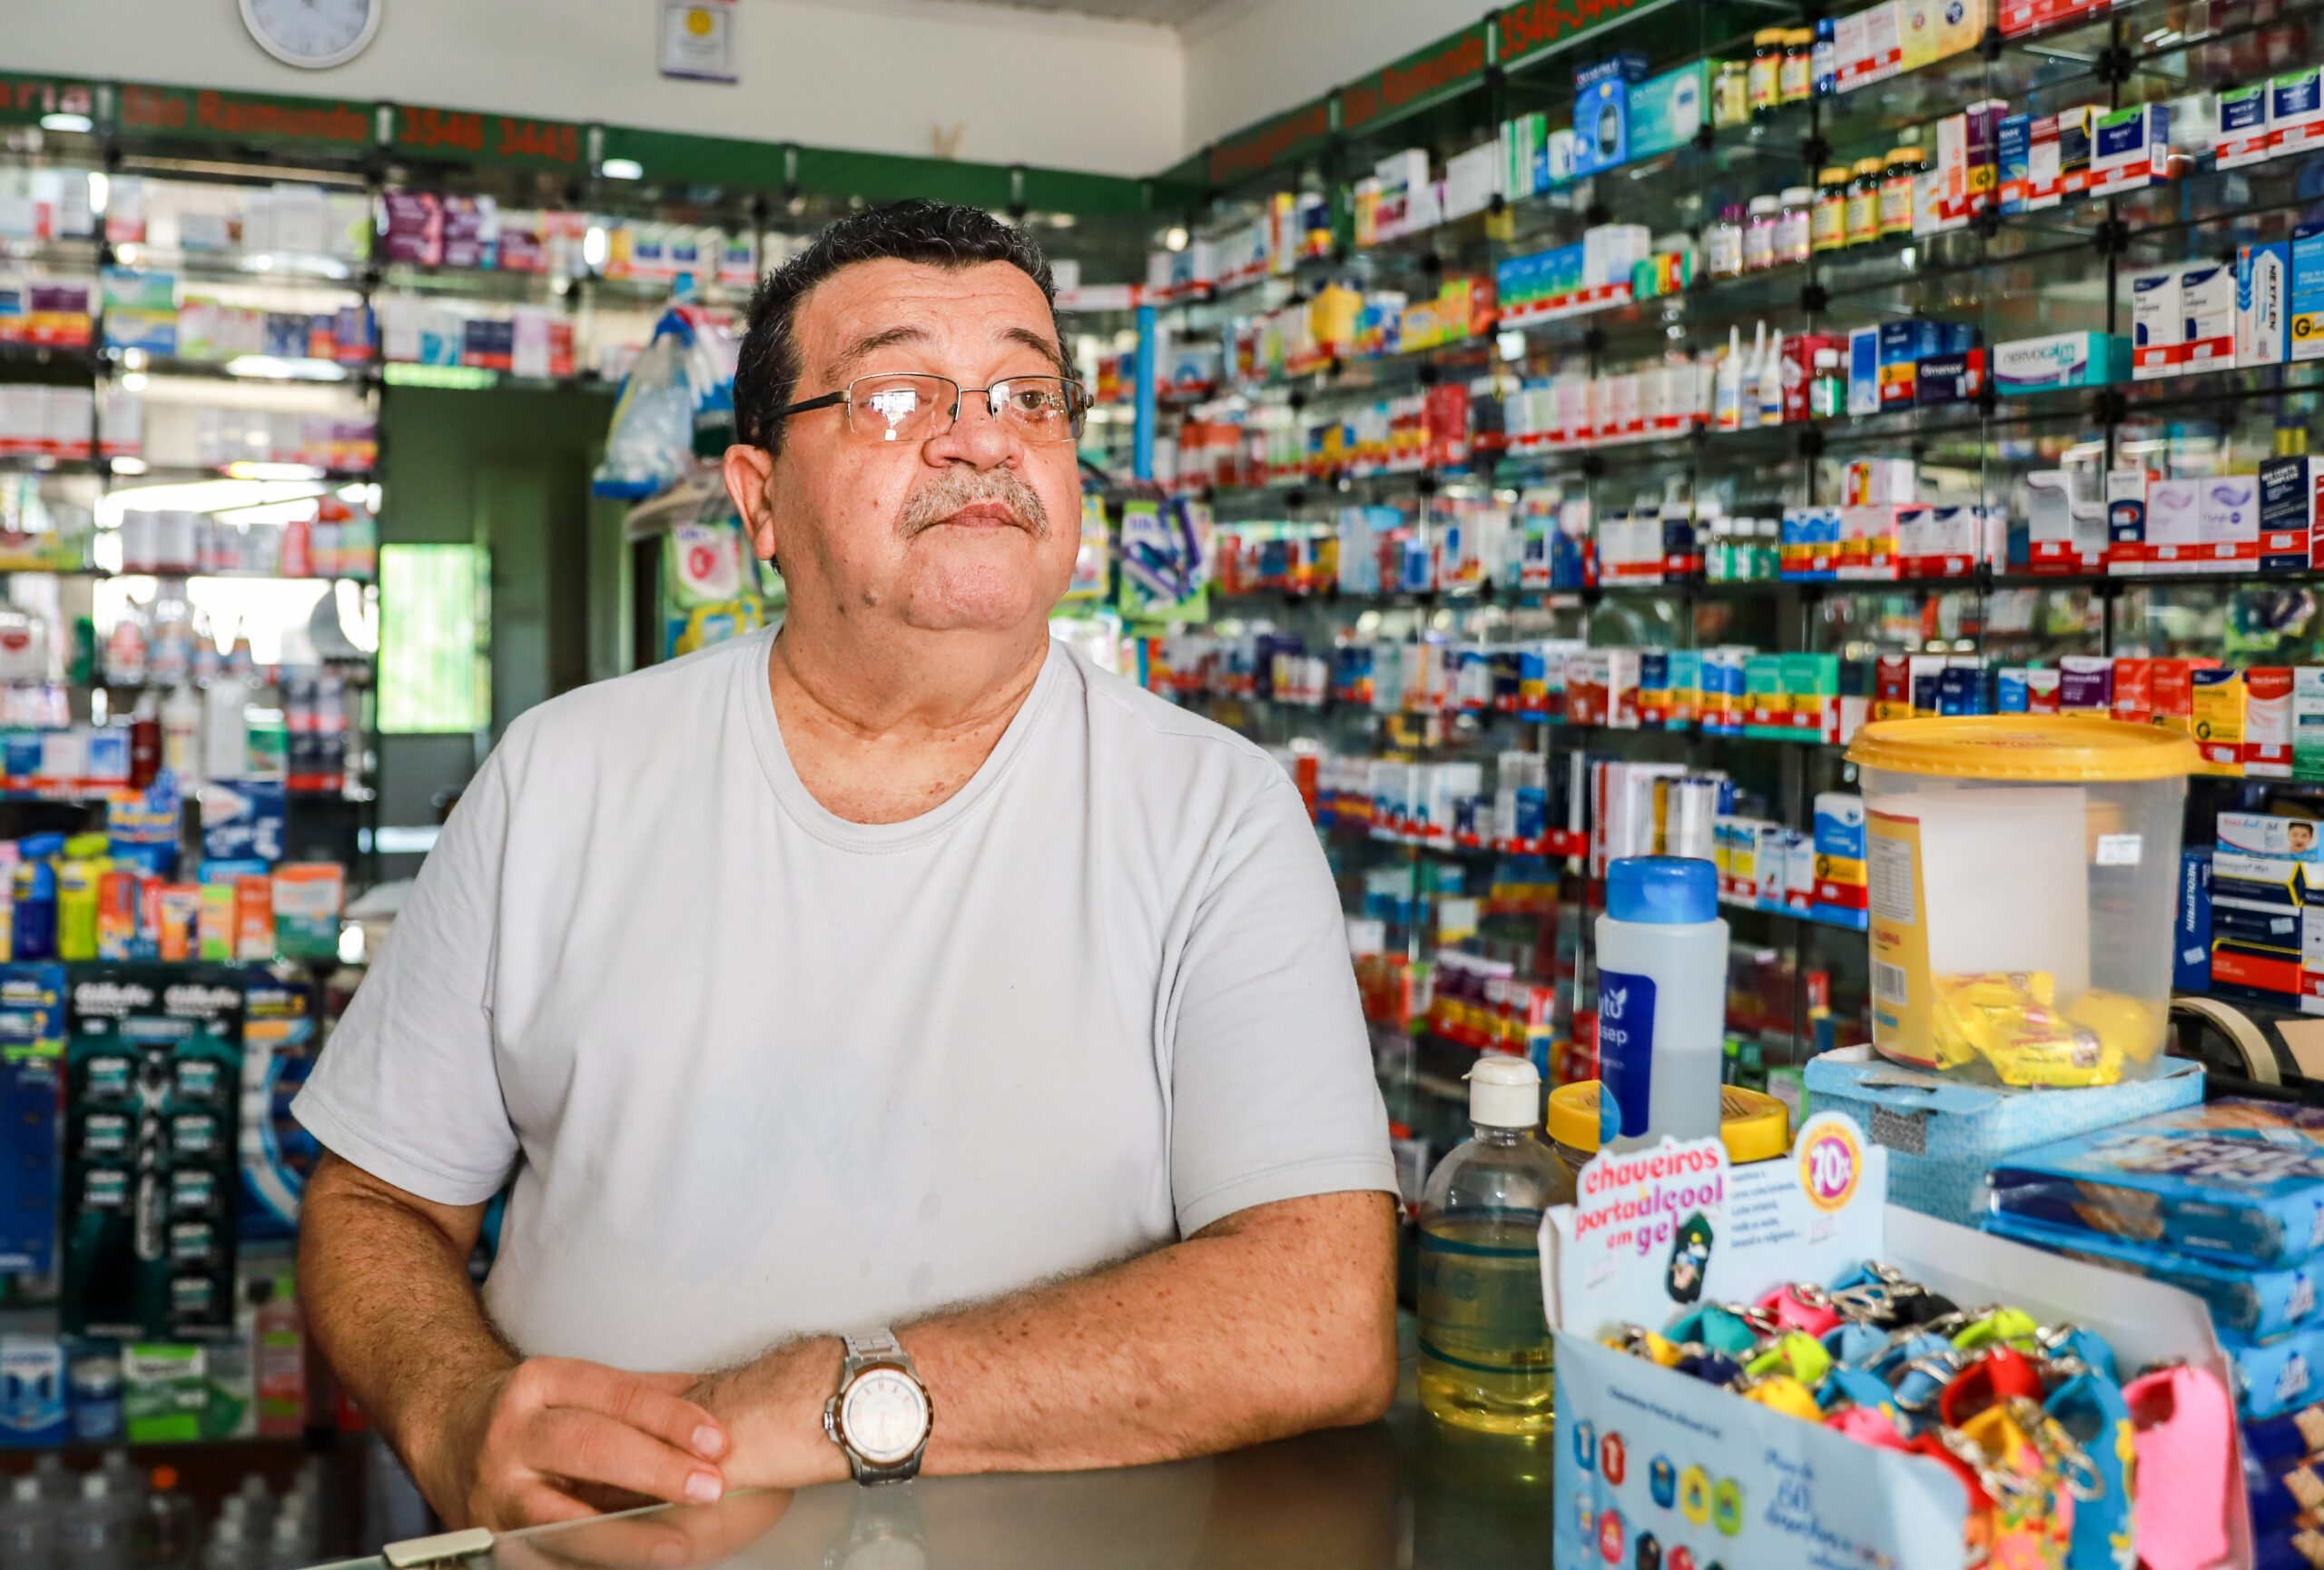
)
(20, 749)
(1956, 337)
(2272, 1377)
(1864, 371)
(32, 1059)
(243, 820)
(2306, 327)
(2014, 155)
(32, 1391)
(1626, 65)
(1666, 111)
(2259, 1304)
(2236, 1181)
(2009, 697)
(1602, 127)
(1941, 378)
(2191, 950)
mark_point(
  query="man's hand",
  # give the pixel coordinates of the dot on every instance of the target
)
(549, 1439)
(773, 1409)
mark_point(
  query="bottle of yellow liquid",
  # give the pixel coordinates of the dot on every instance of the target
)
(1486, 1360)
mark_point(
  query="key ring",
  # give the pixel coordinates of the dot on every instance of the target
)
(2077, 1474)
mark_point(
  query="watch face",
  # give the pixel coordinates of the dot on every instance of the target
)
(884, 1416)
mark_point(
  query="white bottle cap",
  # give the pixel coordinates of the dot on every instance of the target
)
(1504, 1092)
(94, 1485)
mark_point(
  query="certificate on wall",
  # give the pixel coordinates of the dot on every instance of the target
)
(698, 39)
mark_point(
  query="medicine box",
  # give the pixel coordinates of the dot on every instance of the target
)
(2306, 332)
(2173, 541)
(2012, 149)
(2287, 514)
(2308, 722)
(2295, 111)
(1864, 371)
(2228, 517)
(1601, 126)
(2190, 952)
(2264, 304)
(2268, 721)
(2217, 699)
(2059, 359)
(2243, 135)
(2130, 148)
(2156, 321)
(1666, 111)
(2207, 317)
(2126, 522)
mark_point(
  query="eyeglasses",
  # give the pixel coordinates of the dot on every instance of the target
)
(917, 407)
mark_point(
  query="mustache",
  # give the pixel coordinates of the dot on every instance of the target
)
(958, 488)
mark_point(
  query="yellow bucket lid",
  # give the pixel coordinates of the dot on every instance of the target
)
(2034, 748)
(1754, 1126)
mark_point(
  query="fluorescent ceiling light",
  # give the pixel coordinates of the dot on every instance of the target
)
(622, 169)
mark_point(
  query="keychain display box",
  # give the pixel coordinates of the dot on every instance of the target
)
(1941, 1136)
(1644, 1451)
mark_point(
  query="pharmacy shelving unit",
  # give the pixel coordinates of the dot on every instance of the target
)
(2013, 277)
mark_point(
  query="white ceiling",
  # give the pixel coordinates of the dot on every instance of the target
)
(1168, 13)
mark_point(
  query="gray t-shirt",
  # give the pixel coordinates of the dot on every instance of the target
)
(761, 1071)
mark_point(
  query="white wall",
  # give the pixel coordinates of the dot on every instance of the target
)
(1246, 59)
(873, 75)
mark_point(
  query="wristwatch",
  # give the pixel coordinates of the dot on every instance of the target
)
(882, 1414)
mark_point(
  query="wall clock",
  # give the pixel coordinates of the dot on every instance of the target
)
(314, 35)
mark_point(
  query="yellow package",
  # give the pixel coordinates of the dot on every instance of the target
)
(2130, 1026)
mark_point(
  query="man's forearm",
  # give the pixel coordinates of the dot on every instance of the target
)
(388, 1298)
(1272, 1323)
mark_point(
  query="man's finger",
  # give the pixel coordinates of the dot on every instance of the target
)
(644, 1401)
(595, 1448)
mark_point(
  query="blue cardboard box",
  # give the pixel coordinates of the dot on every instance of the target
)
(2191, 951)
(1601, 126)
(32, 1057)
(241, 820)
(1942, 1136)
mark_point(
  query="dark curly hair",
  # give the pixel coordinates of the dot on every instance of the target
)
(938, 234)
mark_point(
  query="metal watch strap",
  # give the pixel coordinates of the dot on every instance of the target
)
(864, 1349)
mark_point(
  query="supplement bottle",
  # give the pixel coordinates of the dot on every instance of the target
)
(1730, 94)
(1795, 74)
(1486, 1359)
(1827, 220)
(1863, 202)
(1764, 83)
(1793, 224)
(1662, 1002)
(1759, 234)
(1723, 244)
(1896, 191)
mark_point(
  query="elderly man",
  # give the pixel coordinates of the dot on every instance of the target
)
(912, 1045)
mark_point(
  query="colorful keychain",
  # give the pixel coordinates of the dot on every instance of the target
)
(2091, 1409)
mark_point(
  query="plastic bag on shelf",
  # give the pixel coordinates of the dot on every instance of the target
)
(683, 382)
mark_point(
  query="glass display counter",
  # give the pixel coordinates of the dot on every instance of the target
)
(1407, 1493)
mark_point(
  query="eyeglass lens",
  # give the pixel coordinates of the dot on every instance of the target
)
(914, 409)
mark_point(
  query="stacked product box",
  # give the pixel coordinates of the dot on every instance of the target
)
(2224, 1201)
(2266, 932)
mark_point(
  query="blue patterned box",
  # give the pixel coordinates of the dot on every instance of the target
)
(1942, 1136)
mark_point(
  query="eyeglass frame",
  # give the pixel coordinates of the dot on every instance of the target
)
(845, 398)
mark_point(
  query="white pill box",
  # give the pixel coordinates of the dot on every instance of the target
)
(2264, 304)
(2243, 132)
(2295, 111)
(2156, 322)
(2207, 317)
